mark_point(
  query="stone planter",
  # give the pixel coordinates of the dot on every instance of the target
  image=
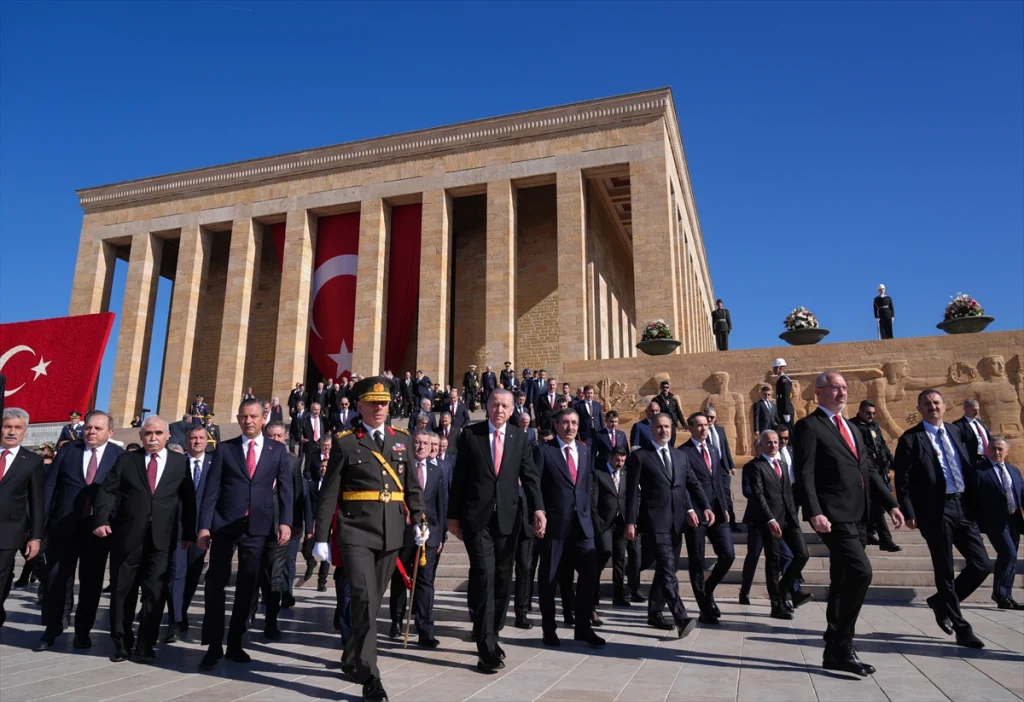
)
(658, 347)
(965, 325)
(803, 337)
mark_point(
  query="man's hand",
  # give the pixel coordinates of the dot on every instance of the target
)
(203, 540)
(911, 523)
(631, 532)
(709, 517)
(775, 529)
(309, 535)
(821, 524)
(420, 534)
(31, 549)
(540, 524)
(440, 547)
(455, 528)
(692, 519)
(897, 518)
(186, 544)
(102, 531)
(322, 552)
(284, 535)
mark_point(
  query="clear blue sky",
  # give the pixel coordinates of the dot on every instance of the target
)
(831, 146)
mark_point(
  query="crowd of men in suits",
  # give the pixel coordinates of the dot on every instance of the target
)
(546, 489)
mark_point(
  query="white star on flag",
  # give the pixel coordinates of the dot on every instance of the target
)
(40, 368)
(342, 359)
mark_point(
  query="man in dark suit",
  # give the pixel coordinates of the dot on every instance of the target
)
(764, 411)
(783, 394)
(21, 499)
(493, 459)
(930, 465)
(885, 312)
(316, 476)
(299, 418)
(668, 404)
(608, 438)
(313, 428)
(448, 431)
(508, 378)
(458, 410)
(836, 486)
(566, 468)
(531, 433)
(589, 411)
(238, 514)
(528, 386)
(773, 512)
(137, 509)
(519, 408)
(424, 388)
(294, 397)
(425, 410)
(974, 432)
(434, 485)
(488, 382)
(73, 480)
(471, 386)
(659, 488)
(407, 392)
(319, 396)
(609, 512)
(179, 430)
(544, 406)
(718, 439)
(186, 564)
(721, 325)
(706, 465)
(998, 495)
(640, 436)
(345, 417)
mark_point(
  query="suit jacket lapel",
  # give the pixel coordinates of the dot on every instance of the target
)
(106, 463)
(15, 465)
(141, 460)
(667, 472)
(562, 465)
(835, 431)
(485, 446)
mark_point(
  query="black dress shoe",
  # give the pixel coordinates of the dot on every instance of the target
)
(686, 627)
(373, 691)
(144, 653)
(321, 587)
(941, 619)
(22, 581)
(787, 605)
(172, 634)
(621, 602)
(637, 597)
(551, 639)
(81, 642)
(966, 637)
(499, 651)
(349, 671)
(428, 641)
(713, 606)
(872, 540)
(597, 622)
(589, 638)
(120, 655)
(395, 632)
(800, 598)
(489, 665)
(658, 621)
(523, 623)
(272, 631)
(569, 620)
(891, 547)
(287, 601)
(708, 617)
(780, 612)
(744, 600)
(868, 668)
(843, 661)
(237, 655)
(43, 644)
(310, 567)
(1009, 603)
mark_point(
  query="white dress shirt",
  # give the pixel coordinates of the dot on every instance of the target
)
(953, 474)
(161, 463)
(258, 442)
(87, 456)
(12, 455)
(372, 431)
(572, 451)
(192, 465)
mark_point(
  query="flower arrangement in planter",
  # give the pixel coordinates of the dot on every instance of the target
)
(802, 328)
(964, 315)
(657, 340)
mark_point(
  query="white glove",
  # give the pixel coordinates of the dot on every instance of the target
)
(322, 552)
(421, 533)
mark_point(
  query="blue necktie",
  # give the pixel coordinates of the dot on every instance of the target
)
(949, 461)
(197, 473)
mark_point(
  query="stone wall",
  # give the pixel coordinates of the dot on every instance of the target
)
(266, 295)
(610, 282)
(206, 349)
(988, 367)
(469, 229)
(537, 344)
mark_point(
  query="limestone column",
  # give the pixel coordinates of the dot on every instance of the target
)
(435, 289)
(591, 304)
(132, 360)
(368, 332)
(653, 247)
(500, 276)
(243, 277)
(293, 308)
(94, 274)
(193, 262)
(572, 265)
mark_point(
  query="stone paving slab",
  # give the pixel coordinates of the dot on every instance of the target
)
(749, 656)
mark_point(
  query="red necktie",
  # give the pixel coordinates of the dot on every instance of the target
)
(613, 439)
(572, 464)
(3, 463)
(90, 472)
(250, 459)
(981, 435)
(151, 472)
(707, 456)
(778, 469)
(846, 435)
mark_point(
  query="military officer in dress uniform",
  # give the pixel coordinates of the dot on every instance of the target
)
(721, 324)
(367, 472)
(470, 387)
(885, 312)
(508, 378)
(198, 410)
(72, 431)
(212, 432)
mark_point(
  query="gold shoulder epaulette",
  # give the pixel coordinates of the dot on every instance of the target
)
(343, 434)
(404, 431)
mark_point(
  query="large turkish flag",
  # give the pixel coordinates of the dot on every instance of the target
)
(334, 297)
(51, 365)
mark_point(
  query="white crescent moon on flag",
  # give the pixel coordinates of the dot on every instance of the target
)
(345, 264)
(6, 357)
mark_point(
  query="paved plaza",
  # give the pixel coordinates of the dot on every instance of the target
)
(748, 657)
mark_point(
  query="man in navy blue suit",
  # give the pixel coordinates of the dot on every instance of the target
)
(659, 486)
(706, 465)
(238, 514)
(566, 468)
(998, 495)
(187, 563)
(589, 410)
(71, 487)
(640, 435)
(609, 437)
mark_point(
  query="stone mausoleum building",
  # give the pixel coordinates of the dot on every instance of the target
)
(542, 238)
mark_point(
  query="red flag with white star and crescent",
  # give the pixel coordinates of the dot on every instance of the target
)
(334, 297)
(51, 365)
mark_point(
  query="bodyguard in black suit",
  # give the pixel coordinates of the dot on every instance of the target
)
(492, 460)
(566, 468)
(931, 483)
(609, 512)
(773, 512)
(345, 418)
(591, 418)
(836, 486)
(248, 475)
(137, 509)
(658, 504)
(450, 432)
(21, 499)
(998, 495)
(544, 407)
(73, 480)
(488, 382)
(764, 411)
(975, 435)
(706, 466)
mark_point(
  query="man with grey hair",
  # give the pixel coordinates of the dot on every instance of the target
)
(975, 435)
(21, 499)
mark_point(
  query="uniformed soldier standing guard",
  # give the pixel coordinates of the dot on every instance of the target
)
(72, 431)
(783, 394)
(212, 432)
(885, 312)
(470, 387)
(367, 470)
(721, 323)
(198, 410)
